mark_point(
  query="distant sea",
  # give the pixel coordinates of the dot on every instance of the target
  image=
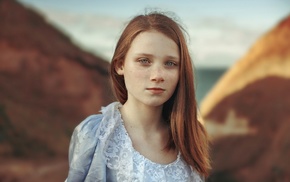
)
(205, 79)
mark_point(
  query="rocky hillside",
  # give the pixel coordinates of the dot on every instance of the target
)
(47, 84)
(248, 113)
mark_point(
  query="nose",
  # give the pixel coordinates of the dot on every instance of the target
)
(157, 74)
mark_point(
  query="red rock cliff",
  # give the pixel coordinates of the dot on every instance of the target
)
(47, 84)
(248, 113)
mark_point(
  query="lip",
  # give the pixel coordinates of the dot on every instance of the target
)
(156, 90)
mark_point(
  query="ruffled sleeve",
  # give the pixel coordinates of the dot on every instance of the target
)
(82, 147)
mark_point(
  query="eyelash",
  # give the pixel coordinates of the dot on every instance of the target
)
(144, 61)
(172, 63)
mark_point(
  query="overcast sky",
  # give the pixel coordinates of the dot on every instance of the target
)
(220, 31)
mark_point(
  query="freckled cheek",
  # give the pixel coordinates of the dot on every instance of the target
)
(135, 77)
(137, 74)
(173, 77)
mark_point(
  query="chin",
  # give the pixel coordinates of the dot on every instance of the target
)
(155, 103)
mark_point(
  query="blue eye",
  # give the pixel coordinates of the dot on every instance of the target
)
(144, 61)
(171, 63)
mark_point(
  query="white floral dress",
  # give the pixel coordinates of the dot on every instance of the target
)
(101, 150)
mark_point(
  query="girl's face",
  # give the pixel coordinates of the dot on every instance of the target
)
(151, 69)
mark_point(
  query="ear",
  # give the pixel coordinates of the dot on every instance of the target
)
(119, 67)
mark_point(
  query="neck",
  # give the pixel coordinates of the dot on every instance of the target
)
(142, 117)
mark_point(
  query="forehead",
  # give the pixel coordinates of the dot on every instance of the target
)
(154, 42)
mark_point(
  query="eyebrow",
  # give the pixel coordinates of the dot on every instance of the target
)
(150, 55)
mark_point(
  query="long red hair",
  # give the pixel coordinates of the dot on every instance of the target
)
(187, 134)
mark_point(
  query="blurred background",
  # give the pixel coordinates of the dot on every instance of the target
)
(54, 58)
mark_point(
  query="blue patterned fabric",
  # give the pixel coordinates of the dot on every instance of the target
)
(101, 150)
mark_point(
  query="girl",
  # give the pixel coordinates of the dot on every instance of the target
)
(152, 133)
